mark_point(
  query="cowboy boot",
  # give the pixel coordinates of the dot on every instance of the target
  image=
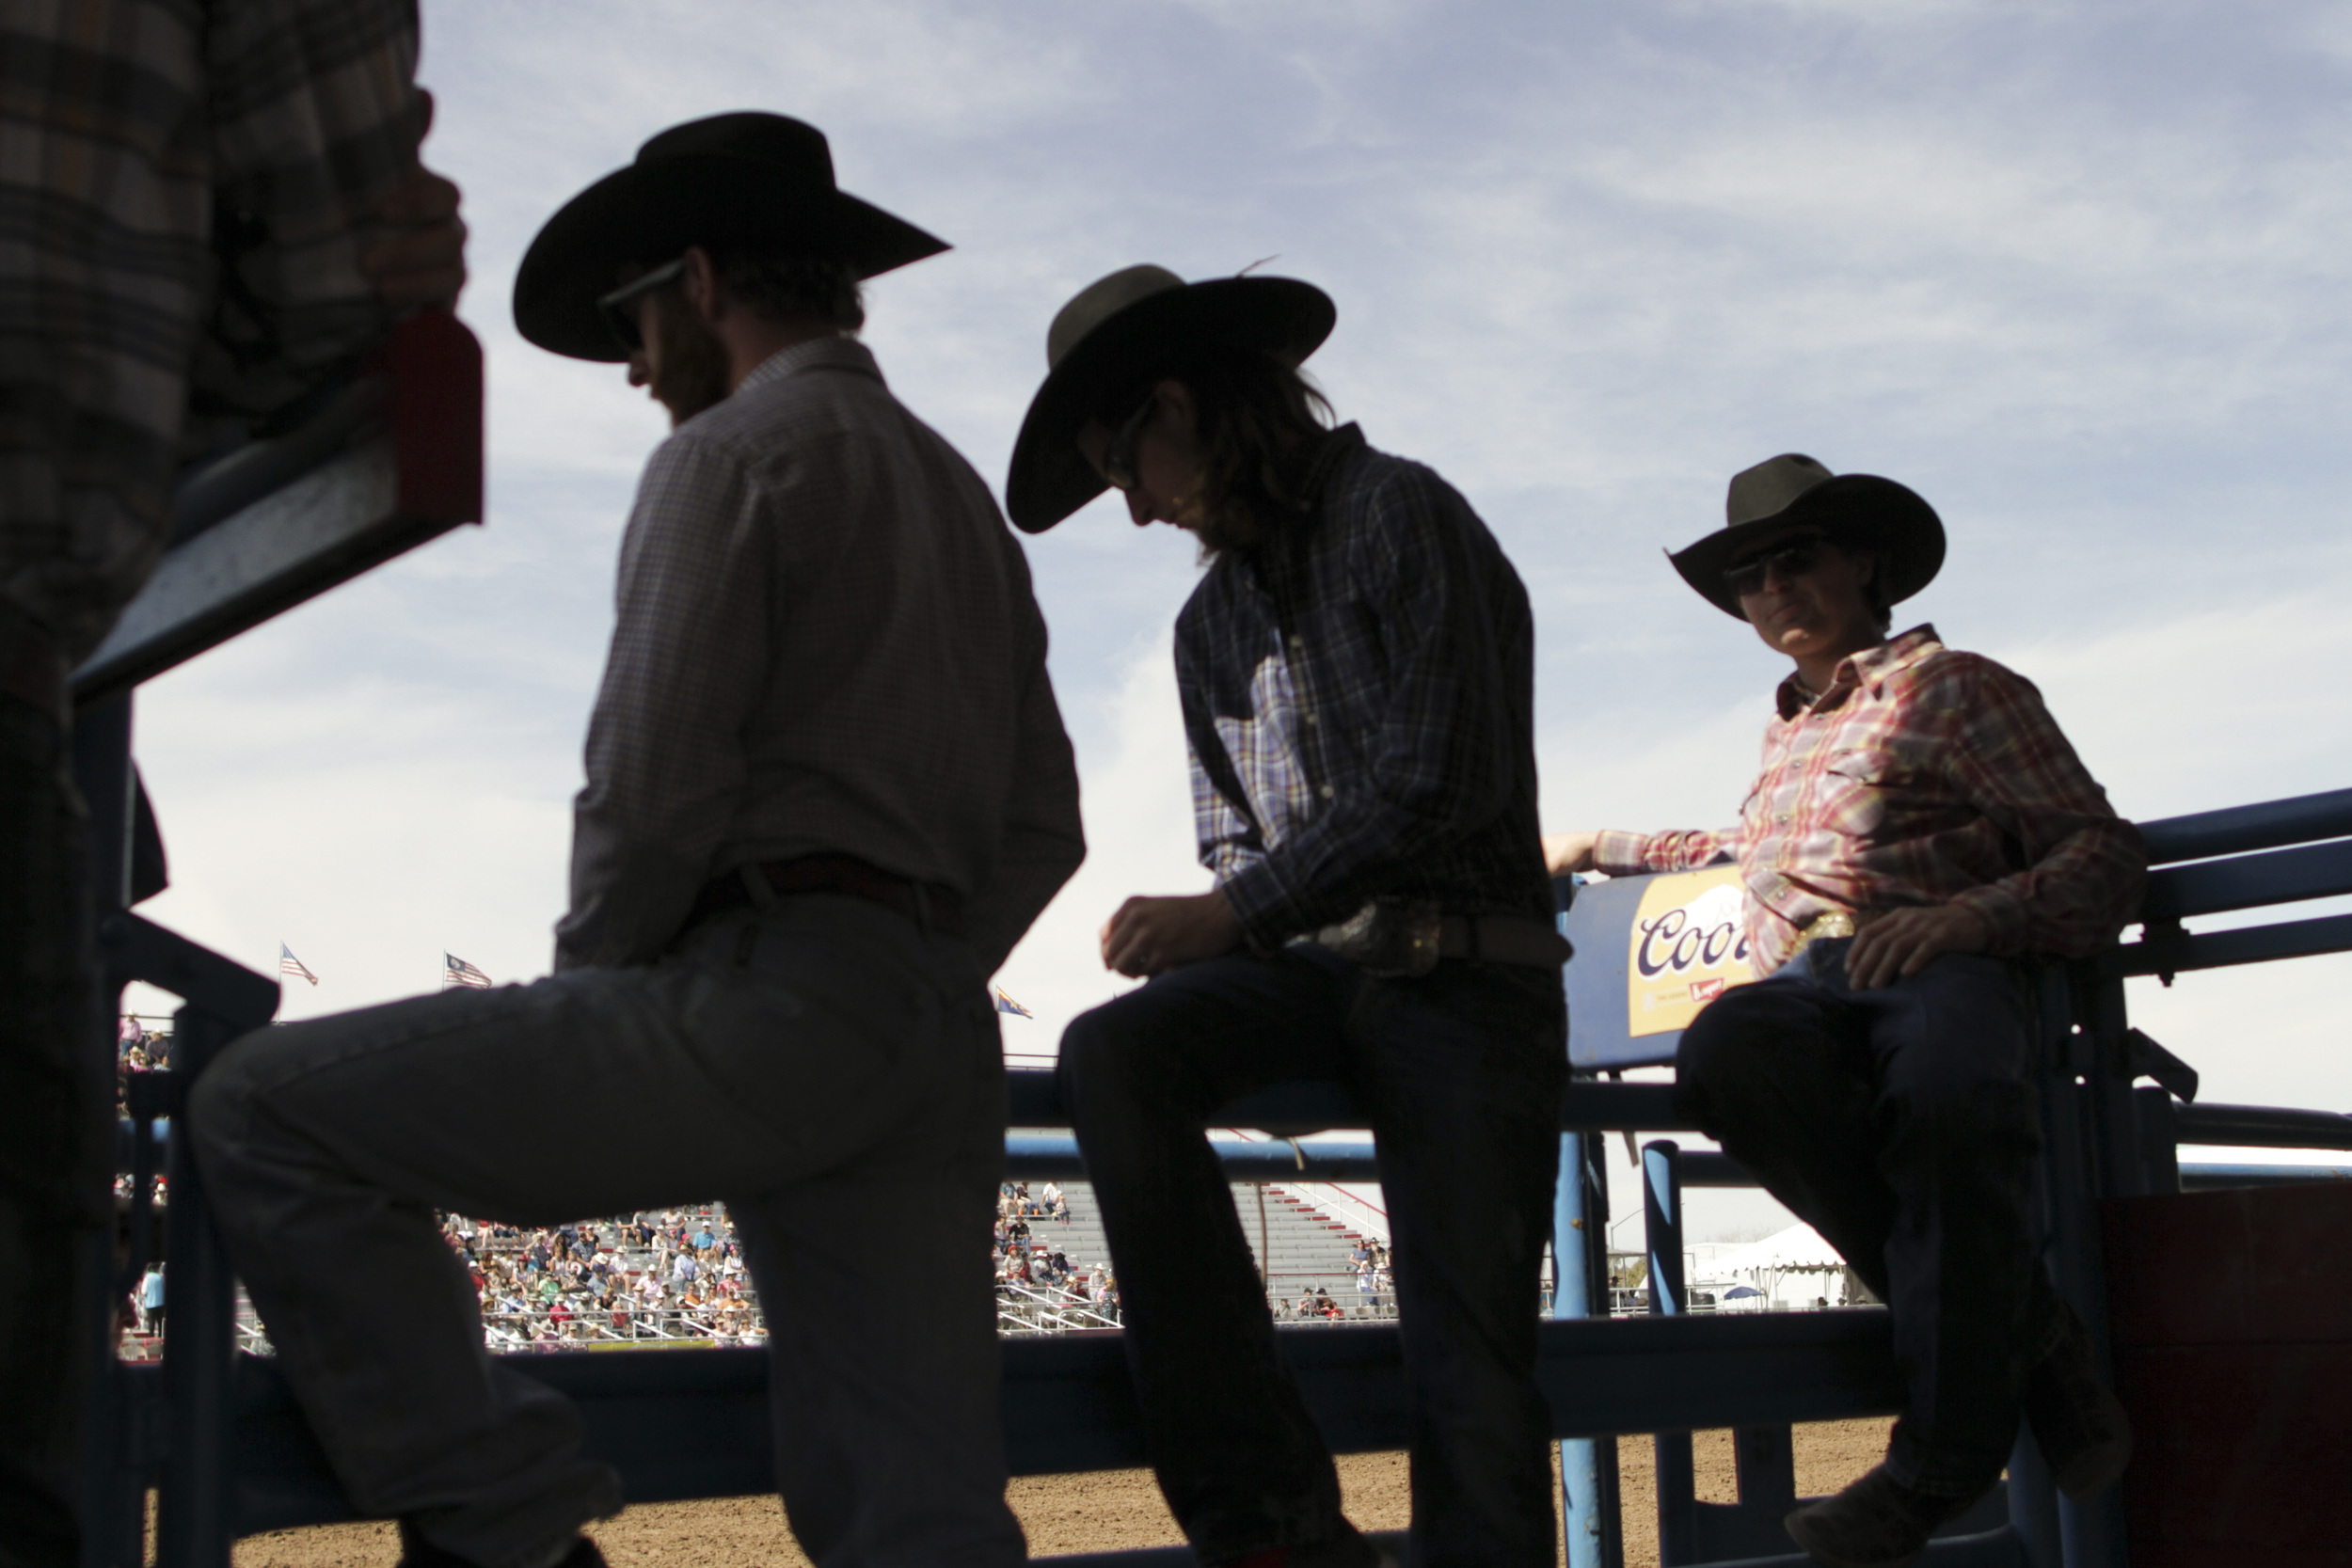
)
(1877, 1522)
(2080, 1426)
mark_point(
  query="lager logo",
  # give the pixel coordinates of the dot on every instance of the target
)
(1688, 946)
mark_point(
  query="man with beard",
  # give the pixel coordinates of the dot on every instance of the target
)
(1356, 675)
(828, 788)
(1919, 826)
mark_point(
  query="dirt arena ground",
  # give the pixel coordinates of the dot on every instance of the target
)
(1075, 1513)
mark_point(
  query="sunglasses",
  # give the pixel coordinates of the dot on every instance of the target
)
(614, 306)
(1791, 560)
(1118, 458)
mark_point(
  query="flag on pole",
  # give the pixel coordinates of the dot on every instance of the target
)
(288, 964)
(457, 972)
(1007, 1005)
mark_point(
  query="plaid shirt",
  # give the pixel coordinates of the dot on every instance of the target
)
(183, 202)
(1359, 697)
(826, 643)
(1921, 776)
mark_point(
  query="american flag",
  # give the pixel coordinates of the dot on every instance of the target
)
(288, 964)
(457, 972)
(1007, 1005)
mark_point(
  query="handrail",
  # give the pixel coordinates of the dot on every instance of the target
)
(2235, 830)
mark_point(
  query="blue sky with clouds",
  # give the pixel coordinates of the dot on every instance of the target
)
(2076, 271)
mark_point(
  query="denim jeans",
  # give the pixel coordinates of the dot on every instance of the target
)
(1900, 1123)
(827, 1068)
(1460, 1073)
(55, 1096)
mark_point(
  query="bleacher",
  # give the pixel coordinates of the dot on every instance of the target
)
(1300, 1250)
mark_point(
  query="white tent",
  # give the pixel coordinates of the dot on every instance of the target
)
(1798, 1249)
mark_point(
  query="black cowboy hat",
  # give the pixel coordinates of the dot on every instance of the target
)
(1877, 514)
(746, 178)
(1111, 330)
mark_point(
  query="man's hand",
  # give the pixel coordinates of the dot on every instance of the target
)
(417, 256)
(1904, 941)
(1151, 936)
(1566, 853)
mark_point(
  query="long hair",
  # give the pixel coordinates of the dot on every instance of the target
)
(1252, 408)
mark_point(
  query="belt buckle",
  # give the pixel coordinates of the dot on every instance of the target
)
(1389, 938)
(1828, 925)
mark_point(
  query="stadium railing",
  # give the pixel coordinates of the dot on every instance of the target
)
(397, 460)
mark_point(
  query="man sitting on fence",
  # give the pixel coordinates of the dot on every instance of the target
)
(828, 788)
(1920, 826)
(1357, 671)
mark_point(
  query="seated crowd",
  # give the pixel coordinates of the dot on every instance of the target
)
(641, 1277)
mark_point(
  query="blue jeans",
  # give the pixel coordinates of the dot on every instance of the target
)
(1460, 1074)
(1901, 1123)
(831, 1071)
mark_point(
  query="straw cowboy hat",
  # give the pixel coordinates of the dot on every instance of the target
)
(1877, 514)
(734, 179)
(1111, 329)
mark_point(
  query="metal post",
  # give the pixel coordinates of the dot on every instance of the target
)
(1579, 1260)
(1662, 1216)
(199, 1341)
(113, 1496)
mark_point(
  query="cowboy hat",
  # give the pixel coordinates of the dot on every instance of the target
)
(734, 179)
(1877, 514)
(1111, 329)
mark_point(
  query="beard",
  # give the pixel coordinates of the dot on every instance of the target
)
(692, 373)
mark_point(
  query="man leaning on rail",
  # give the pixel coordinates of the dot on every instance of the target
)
(210, 212)
(828, 788)
(1919, 826)
(1356, 669)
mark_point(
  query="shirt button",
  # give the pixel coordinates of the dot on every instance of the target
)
(1324, 792)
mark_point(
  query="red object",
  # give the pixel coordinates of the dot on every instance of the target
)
(436, 365)
(2232, 1321)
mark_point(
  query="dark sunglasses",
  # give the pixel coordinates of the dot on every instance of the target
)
(614, 306)
(1791, 560)
(1118, 458)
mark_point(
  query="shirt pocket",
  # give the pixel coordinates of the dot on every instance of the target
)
(1859, 787)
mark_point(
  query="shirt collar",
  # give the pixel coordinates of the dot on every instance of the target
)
(1871, 667)
(1321, 457)
(832, 354)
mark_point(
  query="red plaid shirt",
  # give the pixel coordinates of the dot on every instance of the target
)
(1921, 776)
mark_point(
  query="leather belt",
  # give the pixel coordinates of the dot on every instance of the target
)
(1503, 938)
(929, 904)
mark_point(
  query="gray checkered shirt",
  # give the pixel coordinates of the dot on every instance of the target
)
(827, 643)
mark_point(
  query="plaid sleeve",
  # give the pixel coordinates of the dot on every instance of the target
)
(1224, 830)
(2086, 868)
(315, 118)
(1623, 854)
(1441, 762)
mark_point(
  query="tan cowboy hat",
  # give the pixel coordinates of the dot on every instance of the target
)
(734, 179)
(1111, 330)
(1877, 514)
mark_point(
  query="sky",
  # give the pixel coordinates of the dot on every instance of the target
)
(2074, 272)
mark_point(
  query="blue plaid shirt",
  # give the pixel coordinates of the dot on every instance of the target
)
(1358, 695)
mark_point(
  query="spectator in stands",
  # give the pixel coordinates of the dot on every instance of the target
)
(210, 212)
(1356, 675)
(1920, 826)
(827, 789)
(151, 1306)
